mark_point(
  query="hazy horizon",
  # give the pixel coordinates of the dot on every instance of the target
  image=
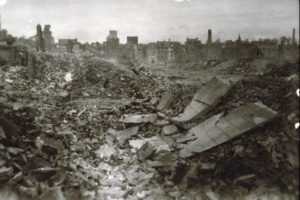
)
(152, 20)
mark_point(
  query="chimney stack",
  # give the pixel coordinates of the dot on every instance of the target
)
(294, 37)
(209, 39)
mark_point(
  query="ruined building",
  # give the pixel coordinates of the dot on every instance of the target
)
(269, 48)
(294, 37)
(290, 51)
(132, 40)
(192, 50)
(68, 46)
(211, 51)
(12, 54)
(241, 50)
(132, 47)
(209, 38)
(7, 52)
(48, 39)
(164, 53)
(112, 43)
(40, 43)
(151, 54)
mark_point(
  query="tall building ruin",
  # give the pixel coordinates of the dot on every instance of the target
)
(40, 44)
(112, 42)
(132, 40)
(49, 40)
(294, 36)
(209, 37)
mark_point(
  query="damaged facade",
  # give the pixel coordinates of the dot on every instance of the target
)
(241, 50)
(164, 53)
(112, 43)
(194, 51)
(44, 39)
(68, 46)
(48, 38)
(10, 53)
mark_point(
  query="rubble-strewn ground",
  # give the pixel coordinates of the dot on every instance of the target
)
(71, 140)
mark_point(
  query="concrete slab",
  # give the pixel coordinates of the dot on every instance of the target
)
(170, 129)
(216, 130)
(204, 100)
(157, 142)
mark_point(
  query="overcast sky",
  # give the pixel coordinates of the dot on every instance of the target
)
(152, 20)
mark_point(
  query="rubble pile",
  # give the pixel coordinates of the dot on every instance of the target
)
(253, 159)
(64, 137)
(177, 96)
(54, 143)
(92, 77)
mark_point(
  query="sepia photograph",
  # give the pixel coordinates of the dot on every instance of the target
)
(149, 100)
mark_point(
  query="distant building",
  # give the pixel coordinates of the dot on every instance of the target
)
(7, 52)
(211, 51)
(132, 40)
(294, 37)
(48, 39)
(192, 50)
(291, 51)
(132, 47)
(209, 38)
(68, 46)
(64, 42)
(162, 48)
(268, 48)
(43, 38)
(179, 52)
(164, 53)
(112, 43)
(77, 48)
(142, 53)
(249, 51)
(39, 39)
(240, 50)
(151, 54)
(12, 54)
(3, 34)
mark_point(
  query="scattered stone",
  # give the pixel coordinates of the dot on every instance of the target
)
(53, 194)
(145, 151)
(124, 135)
(243, 178)
(106, 151)
(156, 141)
(138, 119)
(170, 129)
(6, 172)
(206, 167)
(44, 173)
(291, 116)
(165, 101)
